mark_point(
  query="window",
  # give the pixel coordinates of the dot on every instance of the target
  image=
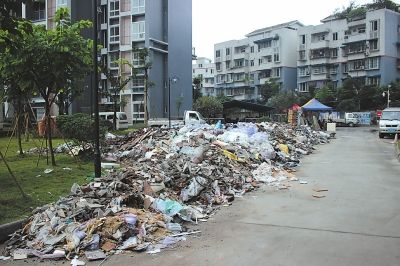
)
(264, 45)
(113, 60)
(277, 72)
(304, 71)
(114, 8)
(303, 39)
(358, 64)
(260, 61)
(114, 34)
(335, 36)
(218, 53)
(373, 63)
(39, 12)
(212, 71)
(218, 66)
(361, 30)
(138, 30)
(302, 55)
(268, 58)
(239, 63)
(334, 52)
(138, 6)
(227, 51)
(200, 65)
(251, 62)
(276, 58)
(193, 71)
(373, 81)
(373, 45)
(252, 49)
(374, 25)
(303, 87)
(228, 64)
(61, 3)
(137, 61)
(345, 68)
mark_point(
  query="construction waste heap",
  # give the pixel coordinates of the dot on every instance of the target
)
(170, 180)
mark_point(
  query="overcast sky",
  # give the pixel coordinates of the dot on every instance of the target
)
(222, 20)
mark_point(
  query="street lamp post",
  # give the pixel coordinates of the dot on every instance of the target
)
(388, 95)
(174, 80)
(97, 160)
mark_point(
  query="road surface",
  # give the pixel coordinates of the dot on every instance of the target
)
(357, 223)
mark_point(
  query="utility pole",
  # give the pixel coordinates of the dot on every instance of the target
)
(97, 160)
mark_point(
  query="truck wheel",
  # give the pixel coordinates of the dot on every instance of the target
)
(381, 135)
(351, 124)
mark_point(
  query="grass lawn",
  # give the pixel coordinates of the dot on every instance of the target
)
(40, 187)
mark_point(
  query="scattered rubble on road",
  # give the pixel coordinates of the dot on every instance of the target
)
(168, 179)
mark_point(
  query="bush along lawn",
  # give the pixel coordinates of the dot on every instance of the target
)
(41, 188)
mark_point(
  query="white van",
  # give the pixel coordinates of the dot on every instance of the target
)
(122, 119)
(389, 124)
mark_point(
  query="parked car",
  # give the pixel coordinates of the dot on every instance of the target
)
(389, 124)
(190, 117)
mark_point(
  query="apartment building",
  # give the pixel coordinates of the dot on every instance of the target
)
(265, 54)
(205, 69)
(365, 47)
(165, 29)
(42, 12)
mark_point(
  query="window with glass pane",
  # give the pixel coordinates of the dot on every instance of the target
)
(138, 6)
(114, 34)
(114, 8)
(61, 3)
(138, 30)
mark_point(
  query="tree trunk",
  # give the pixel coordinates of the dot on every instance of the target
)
(145, 102)
(48, 131)
(115, 111)
(19, 127)
(61, 104)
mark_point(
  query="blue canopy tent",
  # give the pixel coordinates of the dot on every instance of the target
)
(315, 105)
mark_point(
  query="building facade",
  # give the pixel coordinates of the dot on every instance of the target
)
(204, 69)
(365, 48)
(267, 54)
(165, 29)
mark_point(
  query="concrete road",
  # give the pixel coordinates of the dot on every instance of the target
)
(357, 223)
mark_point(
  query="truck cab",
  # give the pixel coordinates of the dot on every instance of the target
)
(389, 124)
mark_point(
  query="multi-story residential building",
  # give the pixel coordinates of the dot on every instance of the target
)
(205, 70)
(165, 29)
(42, 12)
(365, 47)
(265, 54)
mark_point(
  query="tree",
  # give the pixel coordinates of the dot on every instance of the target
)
(144, 66)
(118, 83)
(197, 84)
(282, 100)
(15, 82)
(55, 60)
(208, 106)
(325, 95)
(381, 4)
(269, 89)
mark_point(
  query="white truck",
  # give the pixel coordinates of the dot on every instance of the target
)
(348, 119)
(189, 117)
(389, 124)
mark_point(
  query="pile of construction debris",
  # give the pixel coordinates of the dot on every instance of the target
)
(170, 178)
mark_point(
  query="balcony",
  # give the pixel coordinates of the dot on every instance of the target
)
(320, 44)
(137, 37)
(302, 47)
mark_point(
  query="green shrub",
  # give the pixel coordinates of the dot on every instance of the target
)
(80, 127)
